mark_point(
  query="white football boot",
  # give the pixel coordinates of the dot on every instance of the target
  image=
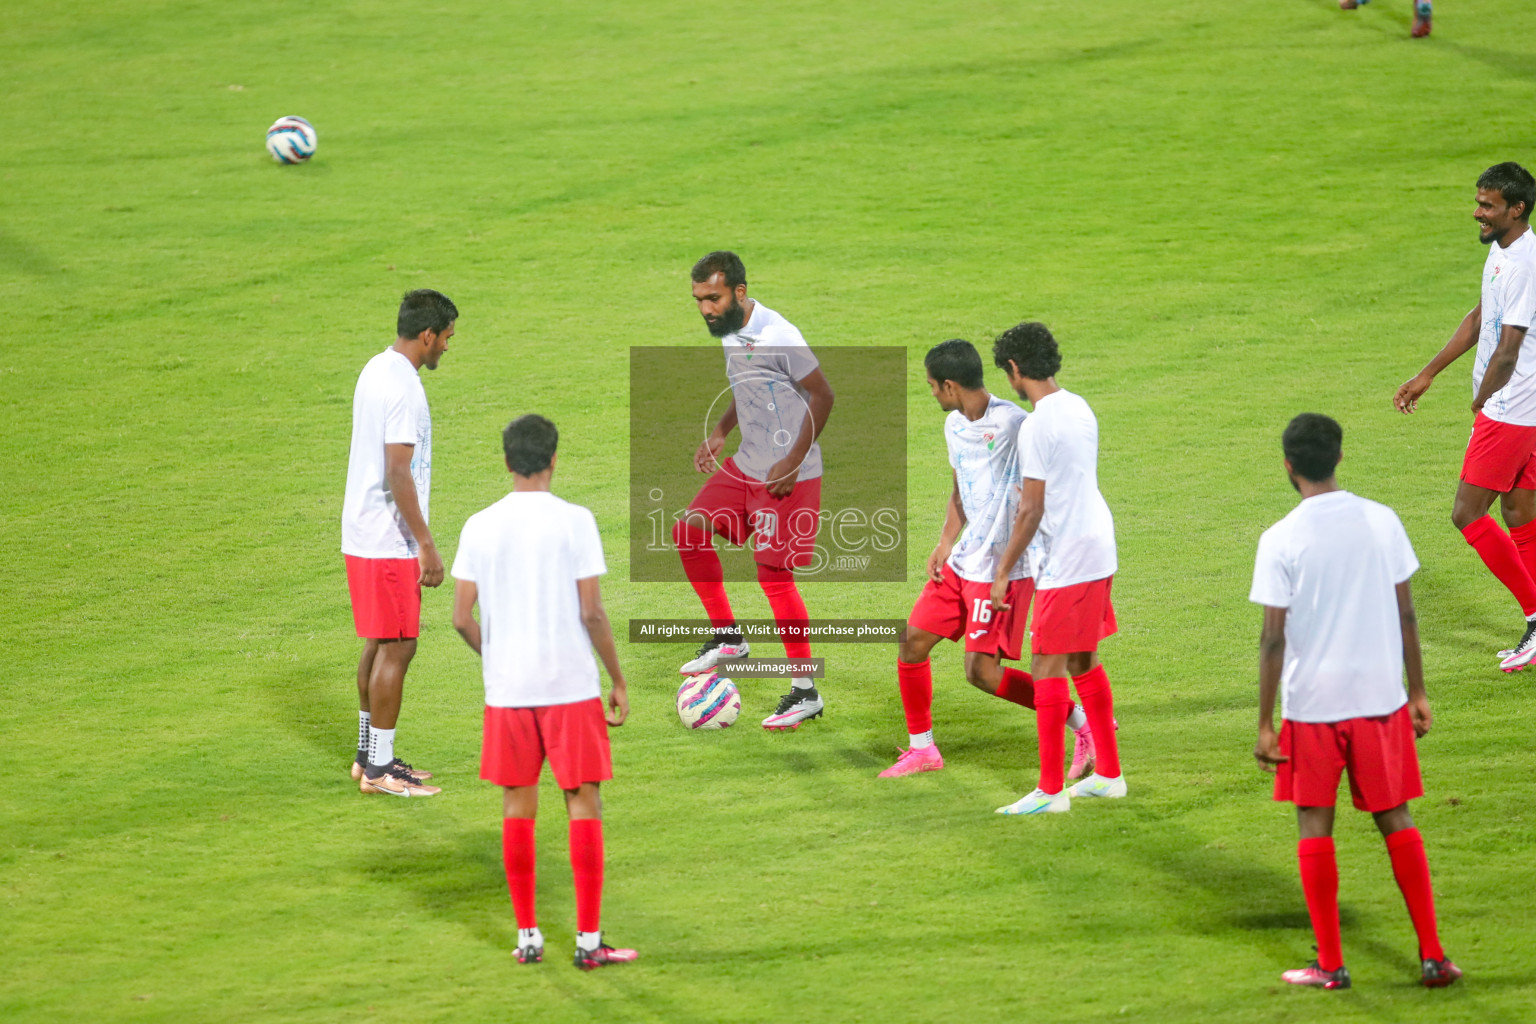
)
(1098, 785)
(795, 707)
(1039, 802)
(725, 645)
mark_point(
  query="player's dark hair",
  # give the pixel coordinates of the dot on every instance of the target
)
(1312, 443)
(529, 443)
(1031, 347)
(424, 310)
(1513, 182)
(723, 262)
(956, 360)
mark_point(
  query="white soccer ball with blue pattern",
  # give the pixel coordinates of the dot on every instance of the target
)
(708, 701)
(291, 140)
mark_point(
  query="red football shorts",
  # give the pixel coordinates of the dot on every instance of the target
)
(1500, 456)
(783, 530)
(1379, 752)
(1072, 620)
(574, 737)
(959, 607)
(386, 599)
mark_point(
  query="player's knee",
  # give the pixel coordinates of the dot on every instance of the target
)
(690, 532)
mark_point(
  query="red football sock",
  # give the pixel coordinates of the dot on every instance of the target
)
(517, 856)
(1099, 706)
(916, 682)
(1411, 868)
(788, 606)
(587, 869)
(1019, 687)
(1525, 543)
(1053, 703)
(1320, 883)
(1502, 557)
(702, 567)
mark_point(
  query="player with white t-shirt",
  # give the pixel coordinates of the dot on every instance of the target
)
(1339, 630)
(532, 562)
(1500, 462)
(981, 432)
(1061, 510)
(389, 550)
(770, 490)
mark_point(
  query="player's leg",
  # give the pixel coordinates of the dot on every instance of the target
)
(1423, 18)
(1517, 507)
(1383, 778)
(784, 538)
(386, 773)
(1497, 461)
(1309, 779)
(519, 805)
(718, 508)
(914, 676)
(1053, 702)
(1410, 867)
(364, 673)
(512, 756)
(1320, 885)
(576, 741)
(1098, 702)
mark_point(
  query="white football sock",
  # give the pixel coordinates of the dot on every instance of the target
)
(802, 683)
(588, 941)
(1076, 720)
(920, 739)
(530, 937)
(381, 746)
(362, 732)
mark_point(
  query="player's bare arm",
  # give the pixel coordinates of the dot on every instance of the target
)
(1464, 338)
(1271, 660)
(595, 617)
(1413, 661)
(1501, 366)
(819, 399)
(465, 594)
(707, 458)
(1025, 523)
(954, 523)
(397, 471)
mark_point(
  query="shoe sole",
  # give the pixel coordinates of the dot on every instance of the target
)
(792, 726)
(1086, 771)
(370, 790)
(914, 771)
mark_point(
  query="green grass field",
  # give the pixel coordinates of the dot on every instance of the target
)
(1230, 213)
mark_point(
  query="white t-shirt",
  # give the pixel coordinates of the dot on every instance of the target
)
(388, 407)
(765, 362)
(1509, 297)
(1059, 443)
(984, 454)
(524, 555)
(1334, 564)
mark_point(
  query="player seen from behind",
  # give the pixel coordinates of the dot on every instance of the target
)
(1061, 507)
(1500, 462)
(1339, 629)
(531, 562)
(770, 490)
(389, 550)
(981, 433)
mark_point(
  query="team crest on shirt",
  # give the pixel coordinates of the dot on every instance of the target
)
(750, 344)
(987, 437)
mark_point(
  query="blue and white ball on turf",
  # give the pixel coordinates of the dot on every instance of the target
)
(708, 701)
(291, 140)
